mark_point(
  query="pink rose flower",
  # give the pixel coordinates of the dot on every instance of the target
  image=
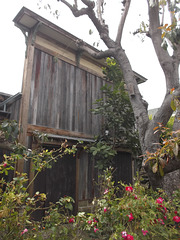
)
(105, 209)
(129, 189)
(144, 232)
(124, 234)
(106, 191)
(89, 222)
(96, 229)
(160, 221)
(176, 219)
(24, 231)
(159, 200)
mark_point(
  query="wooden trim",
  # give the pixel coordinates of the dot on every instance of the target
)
(68, 55)
(61, 132)
(24, 107)
(77, 181)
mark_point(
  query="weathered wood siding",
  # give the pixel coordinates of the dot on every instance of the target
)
(62, 95)
(14, 109)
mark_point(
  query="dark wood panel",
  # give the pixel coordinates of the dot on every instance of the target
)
(122, 164)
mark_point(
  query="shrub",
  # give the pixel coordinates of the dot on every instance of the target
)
(138, 214)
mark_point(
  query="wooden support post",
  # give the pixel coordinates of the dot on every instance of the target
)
(24, 108)
(77, 181)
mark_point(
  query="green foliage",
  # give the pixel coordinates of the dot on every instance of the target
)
(140, 213)
(169, 149)
(16, 206)
(103, 152)
(10, 129)
(119, 124)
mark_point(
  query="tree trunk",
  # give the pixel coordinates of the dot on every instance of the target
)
(169, 65)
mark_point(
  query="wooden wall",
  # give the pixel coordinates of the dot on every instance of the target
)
(14, 109)
(62, 95)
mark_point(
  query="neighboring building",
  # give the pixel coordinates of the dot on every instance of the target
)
(60, 84)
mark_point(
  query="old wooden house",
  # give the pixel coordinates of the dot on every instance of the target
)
(59, 87)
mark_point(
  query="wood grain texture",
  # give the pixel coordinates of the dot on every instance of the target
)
(62, 96)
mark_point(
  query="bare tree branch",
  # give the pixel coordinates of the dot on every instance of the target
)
(74, 10)
(75, 3)
(173, 20)
(98, 55)
(122, 21)
(88, 3)
(100, 11)
(101, 28)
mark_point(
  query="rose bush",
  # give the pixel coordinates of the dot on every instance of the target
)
(138, 214)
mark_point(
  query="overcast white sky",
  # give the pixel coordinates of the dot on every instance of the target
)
(141, 55)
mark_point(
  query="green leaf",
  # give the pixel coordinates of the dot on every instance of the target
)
(161, 171)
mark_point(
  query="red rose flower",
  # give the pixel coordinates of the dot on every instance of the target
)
(105, 209)
(71, 220)
(5, 164)
(176, 219)
(130, 217)
(135, 196)
(129, 237)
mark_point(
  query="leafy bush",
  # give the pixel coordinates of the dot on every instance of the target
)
(138, 214)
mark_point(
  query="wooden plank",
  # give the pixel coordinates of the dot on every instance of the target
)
(77, 100)
(77, 181)
(84, 101)
(24, 109)
(71, 97)
(60, 132)
(83, 176)
(89, 104)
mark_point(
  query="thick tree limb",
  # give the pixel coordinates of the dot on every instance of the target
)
(88, 3)
(122, 21)
(74, 10)
(168, 64)
(98, 55)
(89, 11)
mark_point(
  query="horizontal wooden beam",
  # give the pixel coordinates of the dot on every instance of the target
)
(58, 132)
